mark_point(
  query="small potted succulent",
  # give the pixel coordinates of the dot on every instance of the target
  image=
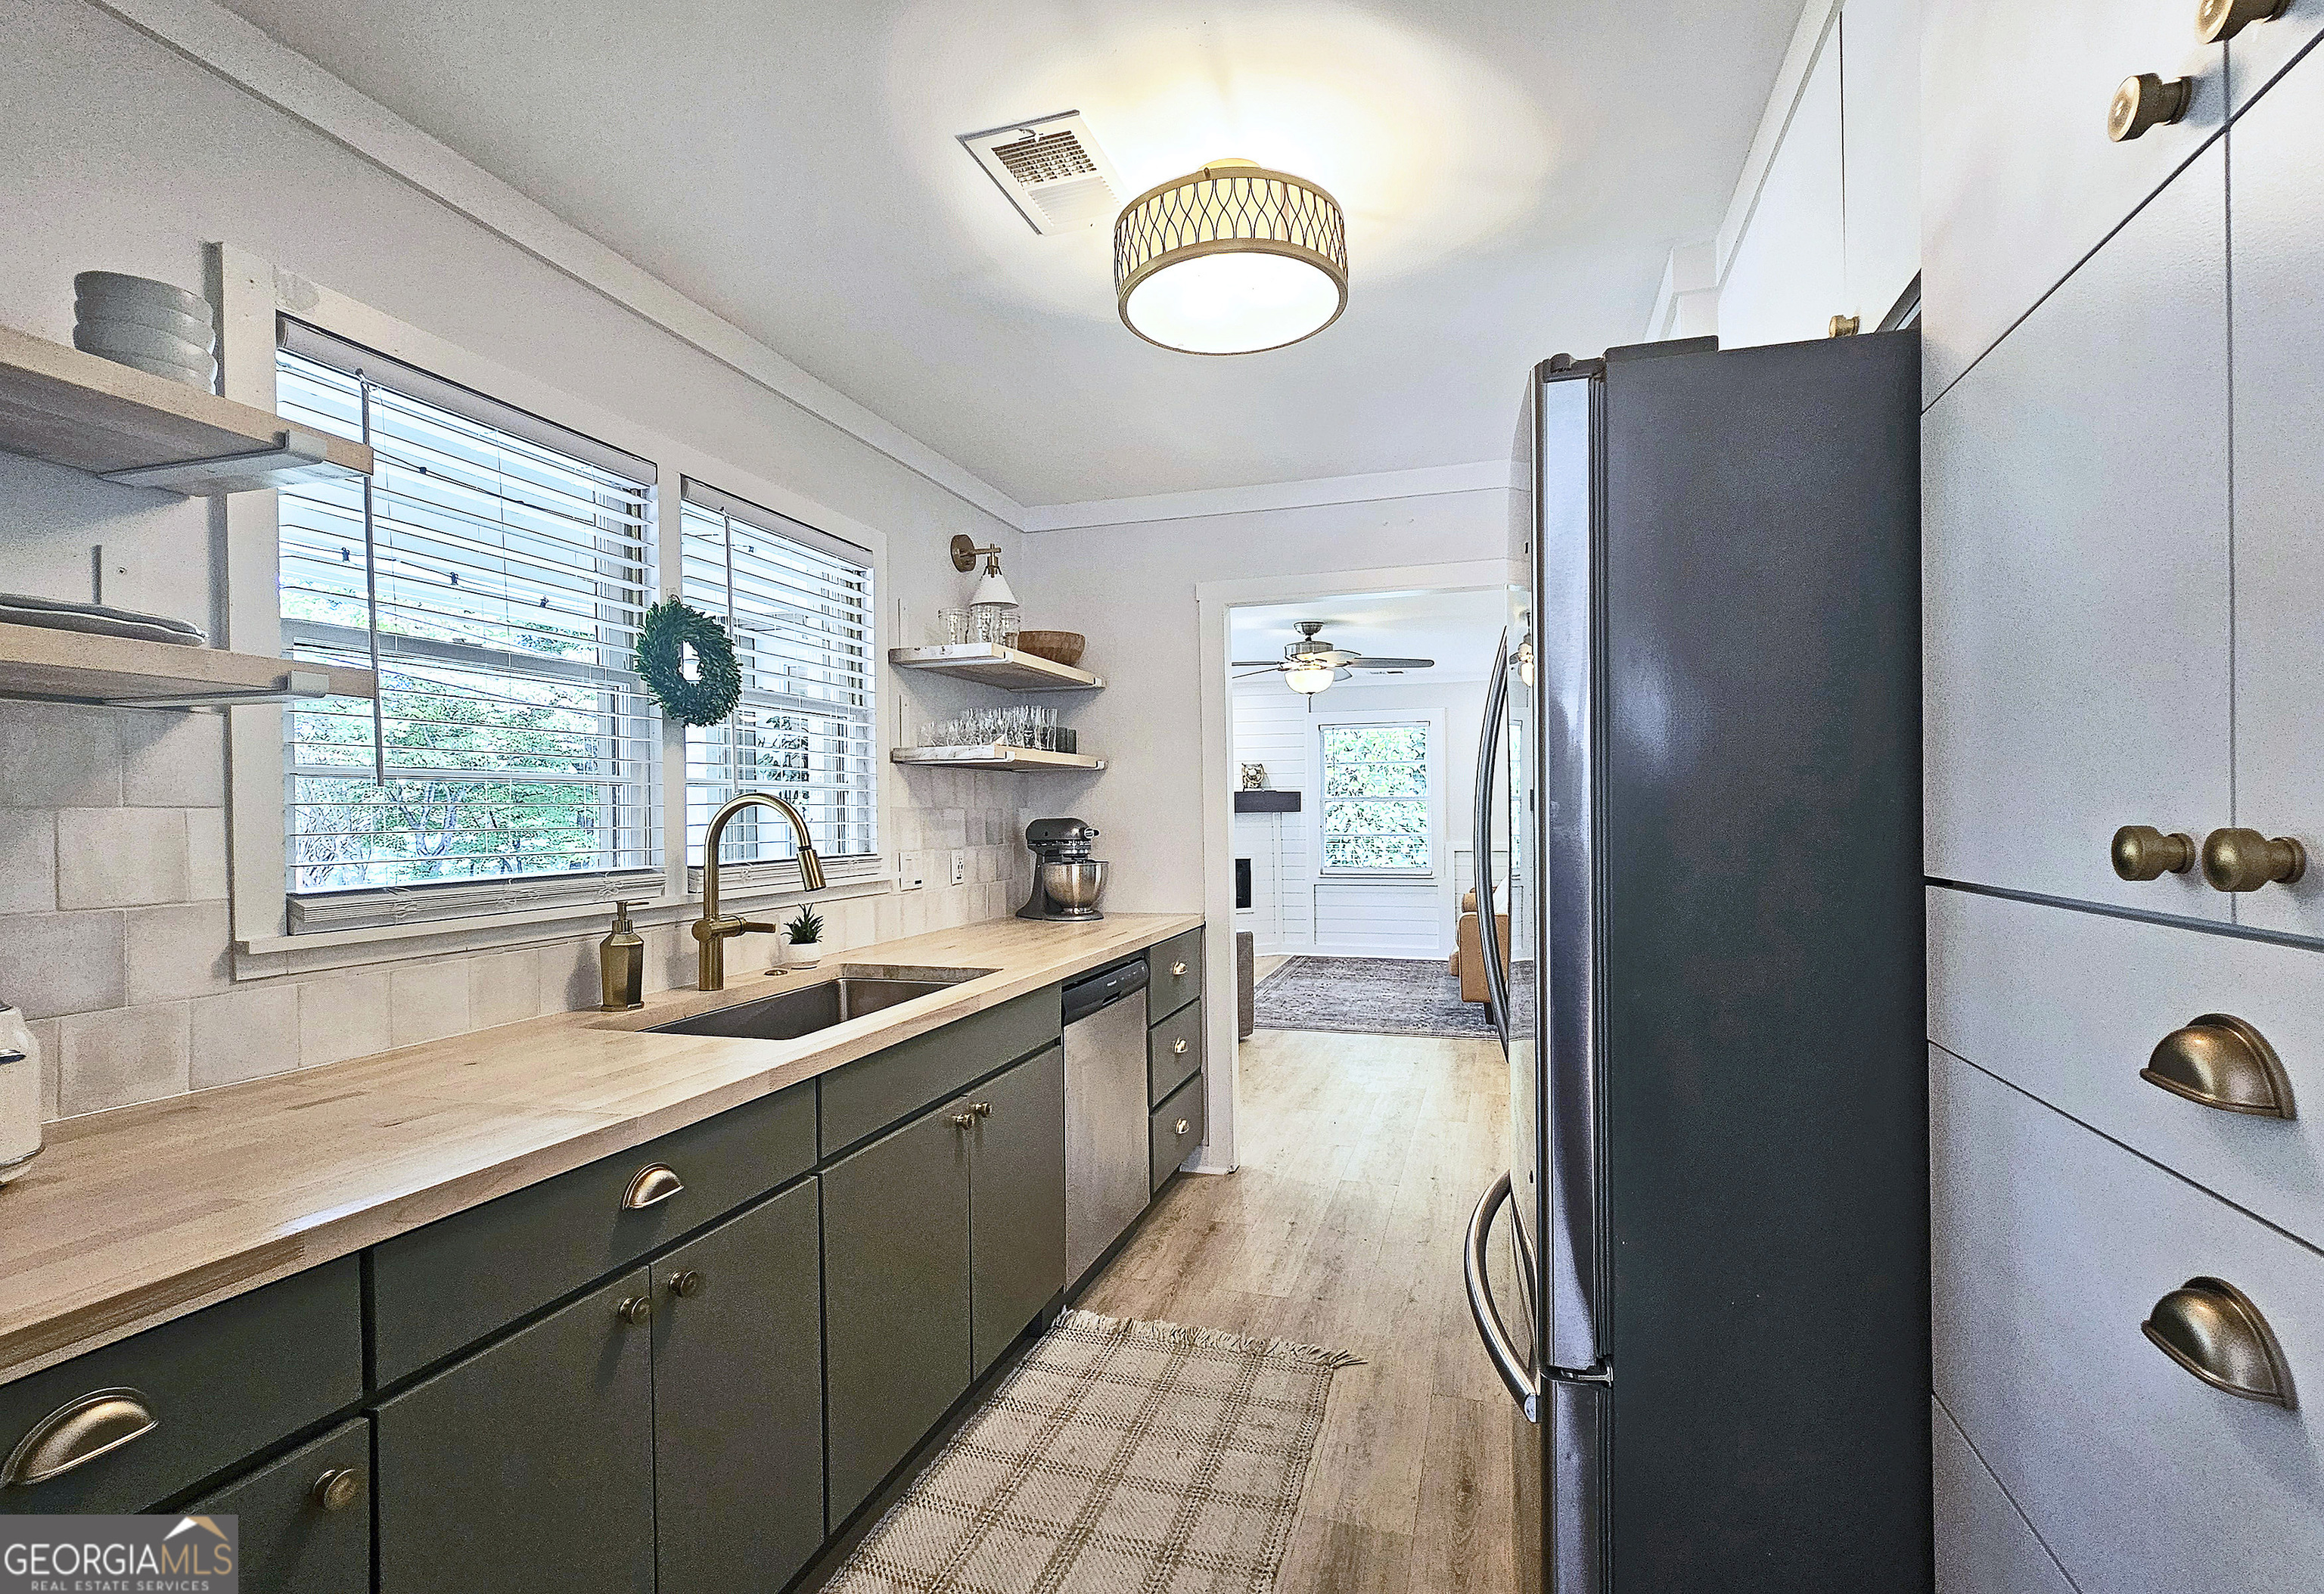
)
(802, 942)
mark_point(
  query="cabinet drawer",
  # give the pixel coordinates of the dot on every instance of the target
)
(305, 1519)
(1174, 1051)
(220, 1384)
(1176, 1129)
(2070, 1006)
(1176, 968)
(869, 1094)
(439, 1288)
(2051, 1244)
(1984, 1545)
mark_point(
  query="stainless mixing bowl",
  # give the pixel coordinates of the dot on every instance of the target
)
(1075, 886)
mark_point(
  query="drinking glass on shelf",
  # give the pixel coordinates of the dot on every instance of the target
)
(952, 626)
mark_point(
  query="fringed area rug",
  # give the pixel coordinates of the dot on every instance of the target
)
(1119, 1456)
(1369, 996)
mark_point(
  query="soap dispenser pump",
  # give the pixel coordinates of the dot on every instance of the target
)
(622, 964)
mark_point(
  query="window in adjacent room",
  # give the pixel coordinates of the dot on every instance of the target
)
(797, 604)
(1378, 816)
(499, 565)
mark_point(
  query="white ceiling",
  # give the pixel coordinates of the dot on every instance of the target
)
(1514, 175)
(1459, 630)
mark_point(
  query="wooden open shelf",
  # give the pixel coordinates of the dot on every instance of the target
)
(60, 404)
(996, 666)
(74, 667)
(995, 756)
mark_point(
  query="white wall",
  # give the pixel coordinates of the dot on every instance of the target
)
(122, 155)
(1825, 218)
(1369, 919)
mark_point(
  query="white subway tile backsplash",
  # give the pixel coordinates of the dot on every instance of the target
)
(171, 761)
(206, 868)
(48, 1034)
(245, 1034)
(121, 857)
(504, 987)
(569, 978)
(28, 861)
(181, 951)
(114, 1059)
(427, 1001)
(58, 756)
(342, 1015)
(52, 963)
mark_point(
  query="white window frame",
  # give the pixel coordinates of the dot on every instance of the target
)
(252, 292)
(1439, 862)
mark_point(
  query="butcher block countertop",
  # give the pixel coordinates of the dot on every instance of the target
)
(132, 1217)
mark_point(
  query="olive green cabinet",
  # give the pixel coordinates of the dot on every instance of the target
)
(304, 1520)
(1017, 1202)
(738, 1400)
(531, 1464)
(895, 1297)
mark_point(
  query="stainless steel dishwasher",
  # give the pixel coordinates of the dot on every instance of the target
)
(1107, 1175)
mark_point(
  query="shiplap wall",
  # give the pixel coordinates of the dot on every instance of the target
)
(1357, 919)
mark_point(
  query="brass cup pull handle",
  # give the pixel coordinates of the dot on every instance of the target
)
(653, 1185)
(1178, 1048)
(686, 1284)
(76, 1433)
(2222, 1062)
(2141, 852)
(1182, 1125)
(2238, 860)
(2212, 1328)
(2218, 21)
(337, 1488)
(1176, 970)
(2146, 101)
(635, 1309)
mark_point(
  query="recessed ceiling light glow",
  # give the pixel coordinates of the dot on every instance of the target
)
(1231, 260)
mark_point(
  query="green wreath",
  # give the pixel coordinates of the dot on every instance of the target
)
(670, 627)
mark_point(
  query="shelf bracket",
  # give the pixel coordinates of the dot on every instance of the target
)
(297, 456)
(298, 687)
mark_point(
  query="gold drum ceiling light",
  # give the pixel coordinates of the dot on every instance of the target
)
(1231, 260)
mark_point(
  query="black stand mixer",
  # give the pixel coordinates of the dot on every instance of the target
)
(1067, 881)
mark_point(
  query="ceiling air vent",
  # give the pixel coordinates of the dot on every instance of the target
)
(1052, 170)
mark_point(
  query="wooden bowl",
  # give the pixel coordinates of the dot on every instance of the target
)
(1059, 647)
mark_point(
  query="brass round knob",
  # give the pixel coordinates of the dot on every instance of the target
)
(1176, 970)
(2237, 860)
(2222, 1062)
(1182, 1125)
(2147, 101)
(1179, 1047)
(338, 1489)
(2141, 852)
(2218, 21)
(981, 1108)
(635, 1309)
(686, 1284)
(963, 1121)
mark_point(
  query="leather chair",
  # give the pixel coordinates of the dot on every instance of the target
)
(1468, 960)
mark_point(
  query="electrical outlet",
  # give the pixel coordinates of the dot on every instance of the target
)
(959, 866)
(908, 871)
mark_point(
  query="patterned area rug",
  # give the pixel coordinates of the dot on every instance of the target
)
(1119, 1456)
(1369, 996)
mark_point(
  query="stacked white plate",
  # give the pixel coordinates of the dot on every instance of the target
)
(152, 325)
(18, 608)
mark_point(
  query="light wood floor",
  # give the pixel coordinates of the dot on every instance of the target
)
(1362, 1157)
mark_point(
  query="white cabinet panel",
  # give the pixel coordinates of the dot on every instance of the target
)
(1984, 1545)
(2074, 568)
(2258, 55)
(2069, 1006)
(1788, 277)
(1880, 94)
(2018, 180)
(2051, 1244)
(2275, 151)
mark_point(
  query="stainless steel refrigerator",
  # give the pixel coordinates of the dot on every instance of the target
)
(1712, 1316)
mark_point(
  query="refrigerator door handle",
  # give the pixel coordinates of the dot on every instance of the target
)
(1498, 1347)
(1489, 936)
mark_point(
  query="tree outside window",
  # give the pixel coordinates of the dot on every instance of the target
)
(1376, 799)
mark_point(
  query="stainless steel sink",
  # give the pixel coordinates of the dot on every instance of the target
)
(789, 1014)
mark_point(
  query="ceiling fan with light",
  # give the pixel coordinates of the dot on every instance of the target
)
(1311, 664)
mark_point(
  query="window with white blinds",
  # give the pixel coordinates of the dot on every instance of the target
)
(797, 604)
(500, 566)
